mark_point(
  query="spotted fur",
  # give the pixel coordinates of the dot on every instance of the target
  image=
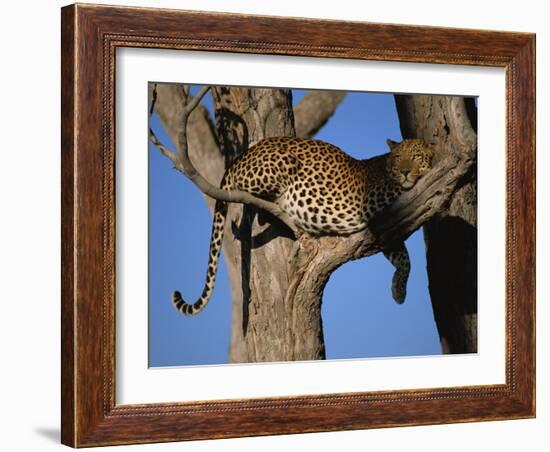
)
(325, 192)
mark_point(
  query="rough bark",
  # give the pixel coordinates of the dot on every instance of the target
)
(451, 235)
(260, 321)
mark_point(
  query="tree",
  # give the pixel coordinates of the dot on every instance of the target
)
(276, 316)
(451, 234)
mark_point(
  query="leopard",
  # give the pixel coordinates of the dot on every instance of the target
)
(323, 190)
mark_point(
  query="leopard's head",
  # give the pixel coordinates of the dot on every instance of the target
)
(408, 161)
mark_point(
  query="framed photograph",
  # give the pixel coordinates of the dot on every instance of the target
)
(283, 225)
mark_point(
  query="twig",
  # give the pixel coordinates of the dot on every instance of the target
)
(162, 148)
(153, 99)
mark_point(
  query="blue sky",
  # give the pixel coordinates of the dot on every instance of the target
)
(360, 318)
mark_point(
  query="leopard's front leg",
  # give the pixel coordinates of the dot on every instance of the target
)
(399, 257)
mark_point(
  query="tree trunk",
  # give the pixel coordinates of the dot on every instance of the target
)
(451, 235)
(262, 313)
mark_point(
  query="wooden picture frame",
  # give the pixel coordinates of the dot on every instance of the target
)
(90, 37)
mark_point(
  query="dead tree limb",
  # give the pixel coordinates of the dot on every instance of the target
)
(314, 110)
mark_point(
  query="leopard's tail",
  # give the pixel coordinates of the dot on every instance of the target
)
(181, 305)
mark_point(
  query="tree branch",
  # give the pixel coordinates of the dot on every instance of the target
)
(204, 149)
(188, 105)
(460, 126)
(414, 207)
(314, 110)
(163, 149)
(183, 163)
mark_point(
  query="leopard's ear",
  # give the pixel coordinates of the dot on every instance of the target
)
(392, 144)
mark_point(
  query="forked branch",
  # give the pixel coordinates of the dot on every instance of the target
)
(182, 162)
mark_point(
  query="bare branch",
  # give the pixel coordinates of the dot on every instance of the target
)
(163, 149)
(460, 126)
(196, 100)
(314, 110)
(183, 147)
(204, 150)
(183, 163)
(237, 196)
(416, 206)
(152, 97)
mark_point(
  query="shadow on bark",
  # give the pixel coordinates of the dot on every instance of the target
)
(242, 232)
(452, 250)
